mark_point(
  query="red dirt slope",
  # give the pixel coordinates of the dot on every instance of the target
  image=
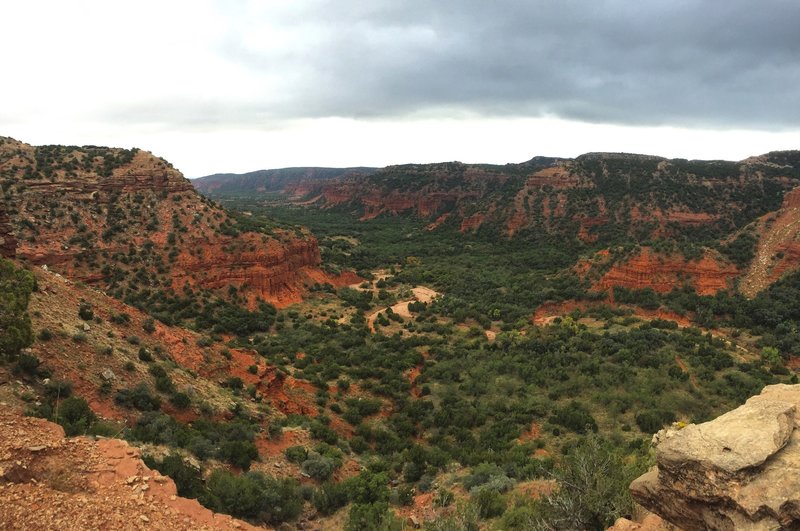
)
(49, 482)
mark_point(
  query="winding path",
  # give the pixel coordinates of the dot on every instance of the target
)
(421, 294)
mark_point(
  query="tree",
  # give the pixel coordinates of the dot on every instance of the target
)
(16, 286)
(592, 488)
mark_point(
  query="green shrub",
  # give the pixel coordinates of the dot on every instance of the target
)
(164, 384)
(180, 400)
(58, 389)
(593, 487)
(139, 398)
(255, 496)
(296, 454)
(653, 420)
(372, 516)
(74, 415)
(576, 417)
(187, 478)
(16, 286)
(85, 311)
(144, 355)
(27, 364)
(318, 466)
(238, 453)
(490, 503)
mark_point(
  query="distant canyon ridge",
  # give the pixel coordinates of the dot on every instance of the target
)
(642, 221)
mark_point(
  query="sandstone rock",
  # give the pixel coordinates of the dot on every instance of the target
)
(661, 273)
(649, 523)
(739, 471)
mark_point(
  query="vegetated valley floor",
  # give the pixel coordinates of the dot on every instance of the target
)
(502, 367)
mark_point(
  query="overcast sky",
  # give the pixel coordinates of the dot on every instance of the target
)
(234, 86)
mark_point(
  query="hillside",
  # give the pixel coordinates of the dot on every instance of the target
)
(294, 182)
(50, 482)
(128, 222)
(700, 221)
(595, 196)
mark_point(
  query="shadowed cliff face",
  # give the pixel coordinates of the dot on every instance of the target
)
(735, 472)
(127, 219)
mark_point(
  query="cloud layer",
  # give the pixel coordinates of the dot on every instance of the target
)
(235, 73)
(692, 63)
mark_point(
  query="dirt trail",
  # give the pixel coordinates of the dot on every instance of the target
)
(421, 294)
(781, 232)
(685, 369)
(413, 374)
(549, 311)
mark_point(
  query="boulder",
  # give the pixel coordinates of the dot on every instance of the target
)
(738, 471)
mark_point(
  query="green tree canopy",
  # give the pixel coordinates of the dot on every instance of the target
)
(16, 286)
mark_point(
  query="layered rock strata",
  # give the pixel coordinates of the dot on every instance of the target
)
(661, 273)
(738, 471)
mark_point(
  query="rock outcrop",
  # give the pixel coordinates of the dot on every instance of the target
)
(661, 273)
(271, 271)
(51, 482)
(738, 471)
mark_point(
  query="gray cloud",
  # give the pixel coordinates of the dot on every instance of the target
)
(717, 63)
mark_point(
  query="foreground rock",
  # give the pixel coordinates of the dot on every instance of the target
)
(739, 471)
(50, 482)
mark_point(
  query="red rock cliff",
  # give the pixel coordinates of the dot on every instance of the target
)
(647, 269)
(127, 218)
(273, 272)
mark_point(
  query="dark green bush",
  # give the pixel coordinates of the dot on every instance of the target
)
(139, 398)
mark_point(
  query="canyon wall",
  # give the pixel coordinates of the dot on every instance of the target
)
(662, 273)
(127, 218)
(778, 247)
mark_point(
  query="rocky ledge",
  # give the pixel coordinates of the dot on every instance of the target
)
(51, 482)
(738, 471)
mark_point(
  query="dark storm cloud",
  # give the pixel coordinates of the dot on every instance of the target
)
(723, 63)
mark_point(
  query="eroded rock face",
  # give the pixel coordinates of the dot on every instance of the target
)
(662, 274)
(738, 471)
(778, 247)
(103, 215)
(51, 482)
